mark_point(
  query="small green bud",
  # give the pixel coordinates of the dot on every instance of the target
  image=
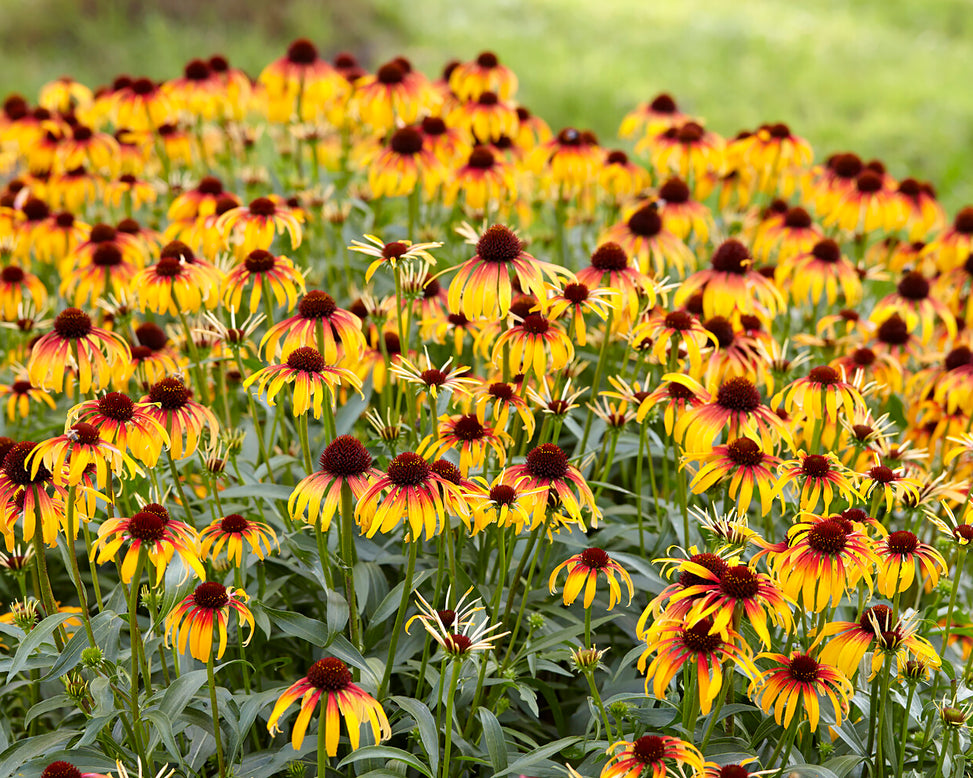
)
(92, 657)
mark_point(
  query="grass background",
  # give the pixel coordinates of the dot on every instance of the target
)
(884, 78)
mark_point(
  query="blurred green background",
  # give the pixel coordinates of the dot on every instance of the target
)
(884, 78)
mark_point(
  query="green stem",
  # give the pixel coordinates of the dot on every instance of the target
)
(787, 741)
(880, 744)
(596, 381)
(177, 482)
(596, 695)
(348, 561)
(322, 747)
(453, 680)
(70, 541)
(211, 681)
(400, 616)
(303, 435)
(904, 732)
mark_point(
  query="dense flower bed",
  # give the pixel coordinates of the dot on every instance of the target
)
(363, 404)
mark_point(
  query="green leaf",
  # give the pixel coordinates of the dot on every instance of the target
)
(496, 745)
(59, 702)
(390, 604)
(24, 750)
(102, 626)
(269, 492)
(537, 755)
(337, 613)
(842, 765)
(389, 753)
(180, 692)
(297, 625)
(810, 771)
(35, 638)
(163, 728)
(428, 733)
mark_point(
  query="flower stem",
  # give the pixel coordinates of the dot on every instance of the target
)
(400, 616)
(904, 732)
(453, 680)
(70, 541)
(348, 560)
(211, 681)
(596, 380)
(322, 747)
(596, 695)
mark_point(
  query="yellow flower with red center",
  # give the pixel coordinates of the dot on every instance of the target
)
(610, 269)
(777, 154)
(329, 681)
(821, 270)
(880, 480)
(688, 150)
(500, 397)
(21, 394)
(487, 117)
(77, 343)
(126, 424)
(485, 181)
(18, 287)
(796, 683)
(535, 345)
(205, 611)
(319, 323)
(473, 438)
(468, 80)
(583, 571)
(301, 85)
(402, 165)
(266, 275)
(868, 206)
(254, 226)
(481, 288)
(876, 629)
(153, 531)
(731, 284)
(741, 462)
(501, 503)
(392, 254)
(578, 298)
(140, 106)
(651, 752)
(395, 95)
(919, 211)
(235, 533)
(32, 498)
(108, 268)
(820, 395)
(718, 594)
(820, 478)
(548, 471)
(900, 555)
(179, 282)
(913, 302)
(684, 217)
(676, 644)
(169, 402)
(411, 490)
(736, 408)
(344, 464)
(652, 117)
(643, 234)
(824, 559)
(621, 178)
(67, 457)
(568, 163)
(675, 330)
(314, 382)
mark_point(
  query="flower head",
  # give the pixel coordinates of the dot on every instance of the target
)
(196, 617)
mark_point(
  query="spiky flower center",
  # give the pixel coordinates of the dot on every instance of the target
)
(609, 257)
(302, 52)
(329, 674)
(499, 244)
(797, 219)
(458, 644)
(152, 336)
(646, 221)
(744, 452)
(447, 471)
(259, 261)
(731, 257)
(716, 565)
(902, 542)
(12, 274)
(698, 639)
(740, 582)
(882, 474)
(829, 536)
(72, 324)
(535, 324)
(803, 669)
(722, 328)
(344, 457)
(107, 255)
(595, 558)
(147, 526)
(576, 293)
(961, 356)
(408, 469)
(15, 467)
(171, 394)
(234, 524)
(316, 305)
(61, 770)
(501, 391)
(877, 619)
(674, 190)
(503, 494)
(547, 461)
(211, 596)
(733, 771)
(468, 428)
(306, 359)
(816, 466)
(914, 286)
(739, 395)
(84, 434)
(649, 749)
(262, 206)
(894, 331)
(825, 375)
(406, 141)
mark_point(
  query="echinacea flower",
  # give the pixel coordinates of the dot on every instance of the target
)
(21, 394)
(824, 558)
(578, 298)
(820, 272)
(32, 497)
(821, 394)
(319, 323)
(265, 274)
(535, 345)
(651, 752)
(314, 382)
(900, 555)
(235, 533)
(457, 631)
(195, 618)
(609, 268)
(254, 226)
(345, 463)
(500, 397)
(170, 404)
(877, 629)
(501, 503)
(329, 680)
(76, 342)
(741, 462)
(583, 570)
(820, 478)
(468, 80)
(548, 470)
(153, 531)
(408, 490)
(124, 423)
(473, 439)
(731, 284)
(432, 379)
(179, 283)
(675, 330)
(391, 254)
(795, 684)
(699, 646)
(643, 234)
(67, 457)
(892, 484)
(482, 288)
